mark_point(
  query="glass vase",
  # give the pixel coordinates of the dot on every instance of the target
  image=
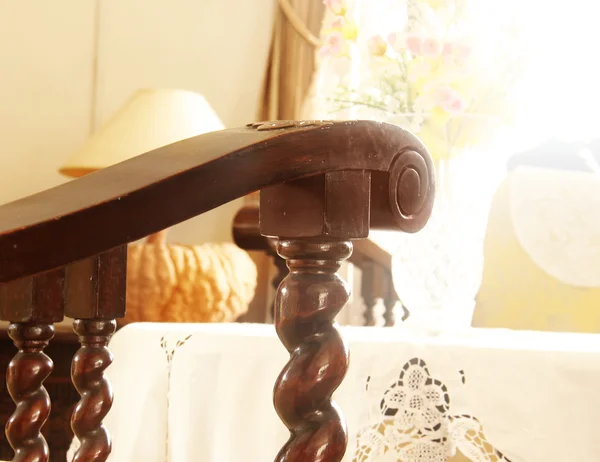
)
(437, 271)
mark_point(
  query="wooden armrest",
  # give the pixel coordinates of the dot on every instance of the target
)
(246, 234)
(143, 195)
(323, 184)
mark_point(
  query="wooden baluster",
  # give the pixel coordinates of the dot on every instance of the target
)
(32, 305)
(307, 303)
(390, 301)
(282, 271)
(317, 217)
(368, 292)
(405, 311)
(95, 296)
(389, 316)
(373, 287)
(24, 378)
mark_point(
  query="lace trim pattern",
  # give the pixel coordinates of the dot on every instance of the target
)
(414, 424)
(556, 221)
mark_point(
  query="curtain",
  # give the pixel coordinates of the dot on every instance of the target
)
(292, 63)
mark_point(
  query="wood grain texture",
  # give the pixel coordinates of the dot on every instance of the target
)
(87, 373)
(32, 305)
(95, 296)
(307, 302)
(37, 299)
(24, 379)
(390, 302)
(95, 288)
(374, 262)
(133, 199)
(64, 397)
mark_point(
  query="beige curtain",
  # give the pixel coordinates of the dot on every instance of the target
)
(292, 58)
(289, 73)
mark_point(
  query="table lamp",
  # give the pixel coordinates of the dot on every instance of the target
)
(158, 281)
(152, 118)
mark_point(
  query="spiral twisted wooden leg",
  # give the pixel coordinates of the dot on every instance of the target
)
(307, 302)
(24, 378)
(87, 372)
(390, 303)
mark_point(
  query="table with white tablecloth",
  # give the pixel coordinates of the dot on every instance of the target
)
(202, 392)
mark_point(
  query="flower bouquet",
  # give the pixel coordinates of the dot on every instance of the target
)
(431, 67)
(441, 70)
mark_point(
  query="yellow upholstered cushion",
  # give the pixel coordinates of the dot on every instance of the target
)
(516, 293)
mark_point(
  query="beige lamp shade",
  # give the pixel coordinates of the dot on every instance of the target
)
(152, 118)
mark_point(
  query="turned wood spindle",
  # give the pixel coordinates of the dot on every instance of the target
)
(389, 316)
(307, 302)
(280, 266)
(32, 305)
(95, 296)
(374, 287)
(87, 372)
(24, 379)
(369, 314)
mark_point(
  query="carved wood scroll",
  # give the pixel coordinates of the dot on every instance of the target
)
(322, 184)
(130, 200)
(314, 218)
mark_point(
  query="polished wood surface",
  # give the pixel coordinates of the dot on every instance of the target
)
(374, 262)
(89, 364)
(314, 220)
(32, 305)
(322, 185)
(25, 382)
(95, 297)
(308, 300)
(57, 429)
(96, 287)
(151, 192)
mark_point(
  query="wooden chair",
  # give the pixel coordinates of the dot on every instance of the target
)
(374, 262)
(323, 184)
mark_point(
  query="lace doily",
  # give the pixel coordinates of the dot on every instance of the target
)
(414, 424)
(169, 347)
(556, 219)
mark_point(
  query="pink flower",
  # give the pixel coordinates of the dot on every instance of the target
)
(448, 99)
(377, 45)
(414, 44)
(334, 45)
(338, 23)
(442, 95)
(458, 51)
(462, 51)
(448, 49)
(338, 7)
(431, 46)
(456, 106)
(397, 41)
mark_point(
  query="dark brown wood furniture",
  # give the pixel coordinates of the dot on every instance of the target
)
(323, 185)
(374, 262)
(57, 430)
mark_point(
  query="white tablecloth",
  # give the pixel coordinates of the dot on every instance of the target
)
(203, 393)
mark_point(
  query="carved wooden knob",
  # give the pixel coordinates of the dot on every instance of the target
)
(411, 190)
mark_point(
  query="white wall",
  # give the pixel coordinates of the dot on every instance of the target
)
(46, 58)
(58, 78)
